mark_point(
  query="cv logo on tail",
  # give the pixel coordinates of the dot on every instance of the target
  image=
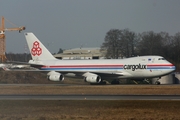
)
(36, 50)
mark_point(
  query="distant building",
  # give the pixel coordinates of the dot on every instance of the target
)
(81, 53)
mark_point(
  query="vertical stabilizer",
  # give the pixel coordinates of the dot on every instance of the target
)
(37, 49)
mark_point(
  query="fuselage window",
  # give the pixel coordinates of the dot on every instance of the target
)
(161, 59)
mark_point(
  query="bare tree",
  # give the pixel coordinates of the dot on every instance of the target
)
(129, 41)
(112, 43)
(166, 45)
(150, 44)
(119, 43)
(175, 50)
(60, 51)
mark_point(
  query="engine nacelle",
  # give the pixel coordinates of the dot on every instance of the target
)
(93, 79)
(55, 76)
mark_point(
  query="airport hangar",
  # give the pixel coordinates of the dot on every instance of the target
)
(97, 53)
(81, 53)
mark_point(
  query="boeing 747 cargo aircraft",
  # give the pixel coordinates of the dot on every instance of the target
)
(95, 71)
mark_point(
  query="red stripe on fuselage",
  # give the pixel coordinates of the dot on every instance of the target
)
(82, 66)
(160, 65)
(99, 66)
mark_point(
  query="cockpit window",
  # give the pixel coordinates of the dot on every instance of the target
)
(161, 59)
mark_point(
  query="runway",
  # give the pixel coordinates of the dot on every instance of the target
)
(88, 92)
(89, 97)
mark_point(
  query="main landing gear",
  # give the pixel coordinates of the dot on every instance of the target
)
(115, 81)
(101, 83)
(158, 82)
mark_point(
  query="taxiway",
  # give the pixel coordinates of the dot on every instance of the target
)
(89, 97)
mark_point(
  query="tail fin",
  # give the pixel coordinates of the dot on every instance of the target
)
(37, 49)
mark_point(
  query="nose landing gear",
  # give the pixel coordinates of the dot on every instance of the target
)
(158, 82)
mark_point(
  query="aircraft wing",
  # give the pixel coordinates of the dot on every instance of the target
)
(103, 75)
(24, 63)
(108, 75)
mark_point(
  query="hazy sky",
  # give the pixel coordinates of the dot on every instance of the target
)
(71, 23)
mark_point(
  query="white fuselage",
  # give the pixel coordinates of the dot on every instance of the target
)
(135, 67)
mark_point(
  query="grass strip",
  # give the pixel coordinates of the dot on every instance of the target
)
(89, 109)
(93, 89)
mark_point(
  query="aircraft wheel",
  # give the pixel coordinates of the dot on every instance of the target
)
(157, 83)
(101, 83)
(115, 82)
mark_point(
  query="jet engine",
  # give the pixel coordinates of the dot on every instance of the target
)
(55, 76)
(92, 79)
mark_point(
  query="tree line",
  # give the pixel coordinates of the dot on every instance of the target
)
(23, 57)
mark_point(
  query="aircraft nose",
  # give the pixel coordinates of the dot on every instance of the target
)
(172, 68)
